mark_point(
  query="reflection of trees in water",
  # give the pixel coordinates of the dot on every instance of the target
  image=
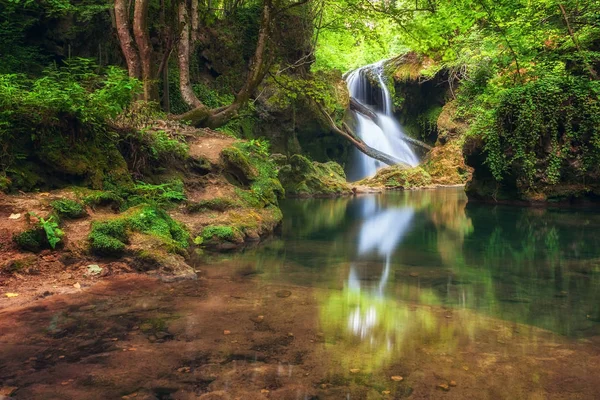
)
(539, 267)
(529, 265)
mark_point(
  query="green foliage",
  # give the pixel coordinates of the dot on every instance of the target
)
(124, 197)
(110, 237)
(103, 198)
(161, 195)
(323, 87)
(61, 120)
(68, 208)
(46, 234)
(353, 35)
(538, 130)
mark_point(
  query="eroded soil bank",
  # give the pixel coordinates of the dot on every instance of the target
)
(234, 335)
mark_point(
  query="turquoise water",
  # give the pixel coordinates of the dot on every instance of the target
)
(398, 295)
(534, 266)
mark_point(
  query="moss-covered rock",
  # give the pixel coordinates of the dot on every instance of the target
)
(110, 237)
(254, 172)
(538, 144)
(67, 208)
(305, 178)
(238, 227)
(237, 165)
(445, 165)
(419, 89)
(399, 177)
(152, 256)
(33, 240)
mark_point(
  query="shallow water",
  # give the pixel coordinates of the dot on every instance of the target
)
(533, 266)
(373, 297)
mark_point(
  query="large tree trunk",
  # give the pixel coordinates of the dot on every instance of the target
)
(195, 20)
(142, 39)
(124, 33)
(183, 57)
(203, 116)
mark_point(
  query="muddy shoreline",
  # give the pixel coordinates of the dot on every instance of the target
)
(233, 335)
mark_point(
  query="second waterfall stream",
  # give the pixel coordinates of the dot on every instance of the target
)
(384, 133)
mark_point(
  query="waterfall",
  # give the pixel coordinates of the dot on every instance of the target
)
(384, 133)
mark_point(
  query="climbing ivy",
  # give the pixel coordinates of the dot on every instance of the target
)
(539, 129)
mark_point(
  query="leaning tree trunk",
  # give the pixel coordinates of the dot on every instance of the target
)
(183, 58)
(203, 116)
(357, 142)
(124, 33)
(142, 39)
(357, 106)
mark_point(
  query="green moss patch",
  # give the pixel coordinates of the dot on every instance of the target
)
(262, 186)
(110, 237)
(399, 177)
(67, 208)
(33, 240)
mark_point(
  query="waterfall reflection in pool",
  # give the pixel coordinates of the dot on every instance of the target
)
(503, 301)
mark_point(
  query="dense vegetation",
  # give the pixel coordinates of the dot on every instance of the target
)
(522, 75)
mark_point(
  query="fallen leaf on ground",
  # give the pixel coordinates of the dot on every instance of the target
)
(355, 370)
(397, 378)
(15, 216)
(8, 390)
(77, 286)
(9, 295)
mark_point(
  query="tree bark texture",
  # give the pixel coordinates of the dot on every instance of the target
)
(142, 40)
(258, 66)
(124, 33)
(183, 58)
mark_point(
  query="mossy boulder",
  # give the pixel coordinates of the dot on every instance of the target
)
(238, 166)
(238, 227)
(152, 256)
(33, 240)
(110, 237)
(302, 177)
(399, 177)
(538, 143)
(248, 166)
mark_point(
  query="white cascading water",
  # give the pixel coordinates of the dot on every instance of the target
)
(384, 133)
